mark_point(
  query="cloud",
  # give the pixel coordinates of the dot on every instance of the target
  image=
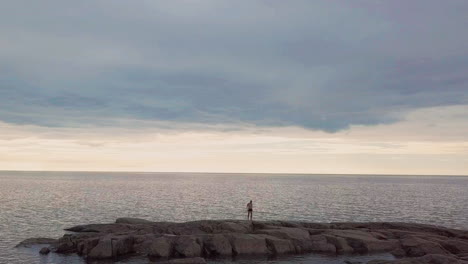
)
(428, 141)
(319, 65)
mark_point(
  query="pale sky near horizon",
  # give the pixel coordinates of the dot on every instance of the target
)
(375, 87)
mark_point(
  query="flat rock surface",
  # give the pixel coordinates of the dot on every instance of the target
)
(36, 241)
(182, 242)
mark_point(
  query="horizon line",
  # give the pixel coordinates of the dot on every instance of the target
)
(202, 172)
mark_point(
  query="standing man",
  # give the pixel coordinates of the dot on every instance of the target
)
(249, 210)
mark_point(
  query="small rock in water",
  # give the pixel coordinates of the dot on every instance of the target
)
(44, 251)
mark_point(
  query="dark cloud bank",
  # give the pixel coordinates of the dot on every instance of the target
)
(315, 64)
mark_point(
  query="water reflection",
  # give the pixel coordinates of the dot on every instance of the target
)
(43, 203)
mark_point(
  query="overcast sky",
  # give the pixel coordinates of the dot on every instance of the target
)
(324, 86)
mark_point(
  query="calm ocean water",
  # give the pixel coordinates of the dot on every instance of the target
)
(34, 204)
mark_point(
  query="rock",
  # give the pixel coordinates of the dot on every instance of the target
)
(280, 246)
(454, 246)
(217, 245)
(463, 256)
(190, 228)
(378, 261)
(427, 259)
(232, 227)
(246, 244)
(316, 226)
(411, 243)
(340, 244)
(319, 244)
(314, 232)
(77, 243)
(122, 245)
(106, 247)
(36, 241)
(187, 247)
(44, 251)
(291, 224)
(398, 253)
(102, 250)
(300, 238)
(185, 261)
(142, 243)
(365, 242)
(440, 259)
(84, 246)
(417, 247)
(66, 244)
(160, 248)
(129, 220)
(287, 233)
(117, 228)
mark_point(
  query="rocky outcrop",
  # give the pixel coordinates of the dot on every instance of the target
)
(192, 241)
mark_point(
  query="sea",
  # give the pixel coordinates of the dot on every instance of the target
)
(42, 204)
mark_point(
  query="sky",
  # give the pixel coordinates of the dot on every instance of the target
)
(300, 86)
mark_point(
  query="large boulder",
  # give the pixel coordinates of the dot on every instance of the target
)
(142, 243)
(341, 245)
(217, 245)
(122, 245)
(66, 244)
(280, 246)
(417, 247)
(454, 246)
(300, 238)
(320, 244)
(187, 247)
(362, 241)
(160, 247)
(102, 250)
(84, 246)
(247, 244)
(110, 246)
